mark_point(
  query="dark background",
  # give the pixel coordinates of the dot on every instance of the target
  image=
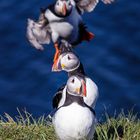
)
(112, 59)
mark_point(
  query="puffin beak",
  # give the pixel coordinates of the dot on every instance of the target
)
(64, 9)
(84, 90)
(77, 90)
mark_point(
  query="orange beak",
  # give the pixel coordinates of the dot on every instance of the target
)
(84, 89)
(64, 9)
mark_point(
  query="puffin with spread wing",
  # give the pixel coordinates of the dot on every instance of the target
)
(61, 20)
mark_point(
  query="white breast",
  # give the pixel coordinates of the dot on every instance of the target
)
(74, 122)
(92, 93)
(51, 16)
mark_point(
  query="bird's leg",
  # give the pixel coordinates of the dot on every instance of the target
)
(56, 56)
(57, 52)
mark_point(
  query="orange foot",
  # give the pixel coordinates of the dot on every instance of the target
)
(57, 52)
(56, 56)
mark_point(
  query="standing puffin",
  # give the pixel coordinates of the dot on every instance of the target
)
(61, 20)
(70, 63)
(74, 120)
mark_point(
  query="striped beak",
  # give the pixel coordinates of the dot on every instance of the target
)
(64, 10)
(78, 91)
(84, 90)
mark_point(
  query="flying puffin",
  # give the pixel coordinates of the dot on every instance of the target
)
(70, 63)
(61, 20)
(74, 120)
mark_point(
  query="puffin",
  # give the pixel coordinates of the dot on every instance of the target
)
(61, 20)
(70, 63)
(74, 120)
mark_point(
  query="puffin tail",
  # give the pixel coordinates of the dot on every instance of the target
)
(85, 35)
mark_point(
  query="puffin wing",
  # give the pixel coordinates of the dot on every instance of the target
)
(38, 33)
(89, 5)
(86, 5)
(57, 97)
(107, 1)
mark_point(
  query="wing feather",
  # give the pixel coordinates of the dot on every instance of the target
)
(86, 5)
(89, 5)
(57, 97)
(38, 33)
(107, 1)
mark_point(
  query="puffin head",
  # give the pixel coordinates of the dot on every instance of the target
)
(67, 61)
(76, 86)
(63, 7)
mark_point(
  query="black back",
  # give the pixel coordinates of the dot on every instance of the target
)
(57, 97)
(82, 29)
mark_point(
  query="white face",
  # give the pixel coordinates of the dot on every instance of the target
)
(63, 7)
(69, 61)
(76, 86)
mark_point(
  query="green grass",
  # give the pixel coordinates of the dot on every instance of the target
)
(27, 128)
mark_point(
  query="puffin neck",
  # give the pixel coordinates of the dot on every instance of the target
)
(78, 71)
(71, 99)
(77, 99)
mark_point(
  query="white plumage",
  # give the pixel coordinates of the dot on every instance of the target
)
(37, 35)
(92, 93)
(74, 122)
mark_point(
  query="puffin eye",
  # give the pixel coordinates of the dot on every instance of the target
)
(57, 3)
(69, 3)
(69, 57)
(73, 81)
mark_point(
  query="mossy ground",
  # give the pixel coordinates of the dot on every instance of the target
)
(123, 127)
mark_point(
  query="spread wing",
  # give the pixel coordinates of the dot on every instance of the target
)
(89, 5)
(107, 1)
(86, 5)
(38, 33)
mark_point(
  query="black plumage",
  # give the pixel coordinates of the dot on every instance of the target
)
(57, 97)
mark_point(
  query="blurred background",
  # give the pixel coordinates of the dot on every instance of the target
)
(112, 59)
